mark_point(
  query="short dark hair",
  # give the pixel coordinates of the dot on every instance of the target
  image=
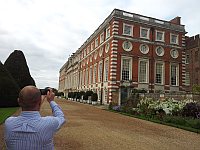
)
(29, 100)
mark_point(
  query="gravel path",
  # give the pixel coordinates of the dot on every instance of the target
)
(91, 128)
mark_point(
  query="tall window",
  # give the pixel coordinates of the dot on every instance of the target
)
(106, 71)
(81, 76)
(83, 80)
(143, 71)
(187, 59)
(95, 73)
(128, 30)
(91, 75)
(86, 76)
(144, 33)
(108, 32)
(174, 75)
(100, 72)
(126, 69)
(159, 36)
(159, 73)
(187, 78)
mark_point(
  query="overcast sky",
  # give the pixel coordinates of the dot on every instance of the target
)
(49, 31)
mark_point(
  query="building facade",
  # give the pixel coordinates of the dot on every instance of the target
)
(192, 61)
(128, 51)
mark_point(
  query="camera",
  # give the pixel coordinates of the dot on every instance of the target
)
(44, 91)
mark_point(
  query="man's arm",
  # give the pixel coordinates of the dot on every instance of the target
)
(56, 110)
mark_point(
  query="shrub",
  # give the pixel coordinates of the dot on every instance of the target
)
(87, 94)
(9, 90)
(191, 110)
(17, 66)
(94, 97)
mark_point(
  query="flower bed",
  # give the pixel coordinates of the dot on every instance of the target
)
(183, 114)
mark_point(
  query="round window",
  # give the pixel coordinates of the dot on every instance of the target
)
(101, 51)
(144, 48)
(127, 45)
(174, 53)
(160, 51)
(95, 55)
(107, 47)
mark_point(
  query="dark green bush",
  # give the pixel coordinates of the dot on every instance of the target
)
(17, 66)
(94, 97)
(9, 90)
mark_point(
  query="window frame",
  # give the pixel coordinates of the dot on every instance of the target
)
(127, 49)
(107, 32)
(146, 73)
(130, 67)
(162, 73)
(176, 75)
(96, 44)
(163, 51)
(177, 40)
(163, 36)
(100, 70)
(131, 29)
(148, 32)
(146, 47)
(101, 37)
(106, 69)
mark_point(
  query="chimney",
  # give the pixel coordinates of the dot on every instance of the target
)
(176, 20)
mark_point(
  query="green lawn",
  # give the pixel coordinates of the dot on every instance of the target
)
(6, 112)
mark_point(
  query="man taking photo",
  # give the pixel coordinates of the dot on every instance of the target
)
(30, 131)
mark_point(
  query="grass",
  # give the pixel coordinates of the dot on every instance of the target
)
(6, 112)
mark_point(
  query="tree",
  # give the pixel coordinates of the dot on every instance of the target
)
(17, 66)
(9, 90)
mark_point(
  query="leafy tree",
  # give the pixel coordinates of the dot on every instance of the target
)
(17, 66)
(9, 89)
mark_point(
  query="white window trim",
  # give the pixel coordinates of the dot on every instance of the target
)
(92, 46)
(107, 35)
(163, 36)
(187, 59)
(177, 41)
(147, 67)
(163, 73)
(107, 59)
(188, 82)
(131, 46)
(148, 32)
(101, 37)
(95, 73)
(146, 47)
(101, 62)
(161, 53)
(130, 68)
(131, 34)
(96, 42)
(177, 74)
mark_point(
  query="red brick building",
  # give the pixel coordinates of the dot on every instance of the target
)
(192, 61)
(128, 51)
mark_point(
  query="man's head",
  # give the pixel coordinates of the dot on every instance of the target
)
(30, 98)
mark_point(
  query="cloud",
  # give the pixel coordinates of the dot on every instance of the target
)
(49, 31)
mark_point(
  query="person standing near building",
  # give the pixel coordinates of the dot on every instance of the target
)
(29, 130)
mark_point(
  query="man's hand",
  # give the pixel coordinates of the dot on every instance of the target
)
(50, 95)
